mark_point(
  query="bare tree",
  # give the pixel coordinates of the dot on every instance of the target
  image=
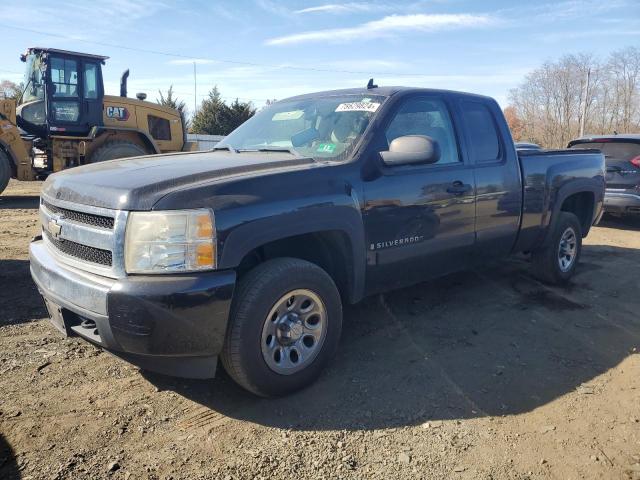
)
(9, 89)
(553, 98)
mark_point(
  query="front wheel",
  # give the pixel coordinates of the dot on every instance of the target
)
(557, 262)
(285, 325)
(115, 149)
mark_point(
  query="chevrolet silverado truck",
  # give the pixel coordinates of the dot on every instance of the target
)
(247, 253)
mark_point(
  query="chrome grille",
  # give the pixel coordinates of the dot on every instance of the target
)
(81, 217)
(83, 252)
(85, 237)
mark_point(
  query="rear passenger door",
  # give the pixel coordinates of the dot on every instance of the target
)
(419, 219)
(497, 177)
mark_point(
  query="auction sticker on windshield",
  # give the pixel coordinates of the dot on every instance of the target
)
(292, 115)
(357, 107)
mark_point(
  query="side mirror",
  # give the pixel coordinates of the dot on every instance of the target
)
(412, 149)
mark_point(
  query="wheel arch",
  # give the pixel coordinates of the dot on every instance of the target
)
(336, 246)
(143, 137)
(581, 198)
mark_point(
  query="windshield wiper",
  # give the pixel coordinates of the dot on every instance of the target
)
(272, 149)
(225, 147)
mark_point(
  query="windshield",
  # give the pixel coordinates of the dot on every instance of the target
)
(33, 79)
(319, 127)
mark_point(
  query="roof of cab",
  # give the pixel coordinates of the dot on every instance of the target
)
(384, 91)
(612, 136)
(65, 52)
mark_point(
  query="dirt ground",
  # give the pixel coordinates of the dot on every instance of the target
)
(484, 374)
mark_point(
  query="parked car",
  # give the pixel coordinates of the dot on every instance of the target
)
(622, 157)
(248, 252)
(527, 146)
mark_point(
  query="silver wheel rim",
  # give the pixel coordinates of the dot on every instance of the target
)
(294, 331)
(567, 249)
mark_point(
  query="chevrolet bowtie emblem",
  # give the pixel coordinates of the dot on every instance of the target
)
(54, 228)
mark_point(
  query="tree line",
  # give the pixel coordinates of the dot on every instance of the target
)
(577, 92)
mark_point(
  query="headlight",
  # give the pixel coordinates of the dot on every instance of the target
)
(170, 241)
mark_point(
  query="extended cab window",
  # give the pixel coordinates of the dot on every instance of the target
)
(159, 128)
(481, 129)
(428, 117)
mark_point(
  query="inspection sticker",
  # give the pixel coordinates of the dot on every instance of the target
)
(357, 107)
(326, 148)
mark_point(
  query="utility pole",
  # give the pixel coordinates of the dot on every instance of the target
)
(584, 103)
(195, 90)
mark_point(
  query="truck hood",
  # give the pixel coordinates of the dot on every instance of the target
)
(138, 183)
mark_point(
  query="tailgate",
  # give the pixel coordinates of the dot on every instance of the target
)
(622, 159)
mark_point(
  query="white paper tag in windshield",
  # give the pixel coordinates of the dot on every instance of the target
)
(292, 115)
(357, 107)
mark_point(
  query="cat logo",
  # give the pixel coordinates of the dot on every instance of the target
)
(118, 113)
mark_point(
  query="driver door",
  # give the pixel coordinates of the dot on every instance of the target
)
(419, 219)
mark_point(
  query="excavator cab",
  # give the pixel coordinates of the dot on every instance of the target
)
(63, 92)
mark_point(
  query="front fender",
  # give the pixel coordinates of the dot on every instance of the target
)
(341, 213)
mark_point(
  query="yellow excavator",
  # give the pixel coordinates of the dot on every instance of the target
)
(64, 119)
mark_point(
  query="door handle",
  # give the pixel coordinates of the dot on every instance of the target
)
(458, 188)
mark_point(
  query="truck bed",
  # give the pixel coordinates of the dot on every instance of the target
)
(548, 178)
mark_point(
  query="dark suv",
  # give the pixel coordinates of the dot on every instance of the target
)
(622, 156)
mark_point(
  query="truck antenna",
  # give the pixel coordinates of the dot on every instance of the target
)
(371, 85)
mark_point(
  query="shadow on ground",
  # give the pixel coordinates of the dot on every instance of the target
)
(8, 467)
(621, 223)
(489, 342)
(19, 296)
(14, 202)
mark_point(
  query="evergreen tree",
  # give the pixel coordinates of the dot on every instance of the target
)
(215, 117)
(170, 101)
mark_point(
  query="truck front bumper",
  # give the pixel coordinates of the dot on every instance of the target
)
(170, 324)
(624, 203)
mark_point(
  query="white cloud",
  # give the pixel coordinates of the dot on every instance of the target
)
(343, 8)
(390, 25)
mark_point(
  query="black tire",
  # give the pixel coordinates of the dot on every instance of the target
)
(546, 261)
(5, 171)
(255, 296)
(116, 149)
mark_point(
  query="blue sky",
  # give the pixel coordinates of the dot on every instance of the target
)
(263, 49)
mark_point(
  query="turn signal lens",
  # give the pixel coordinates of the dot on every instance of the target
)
(203, 226)
(205, 254)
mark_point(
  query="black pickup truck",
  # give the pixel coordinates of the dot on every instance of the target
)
(248, 252)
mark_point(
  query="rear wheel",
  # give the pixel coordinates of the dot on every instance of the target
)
(557, 262)
(116, 149)
(284, 327)
(5, 170)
